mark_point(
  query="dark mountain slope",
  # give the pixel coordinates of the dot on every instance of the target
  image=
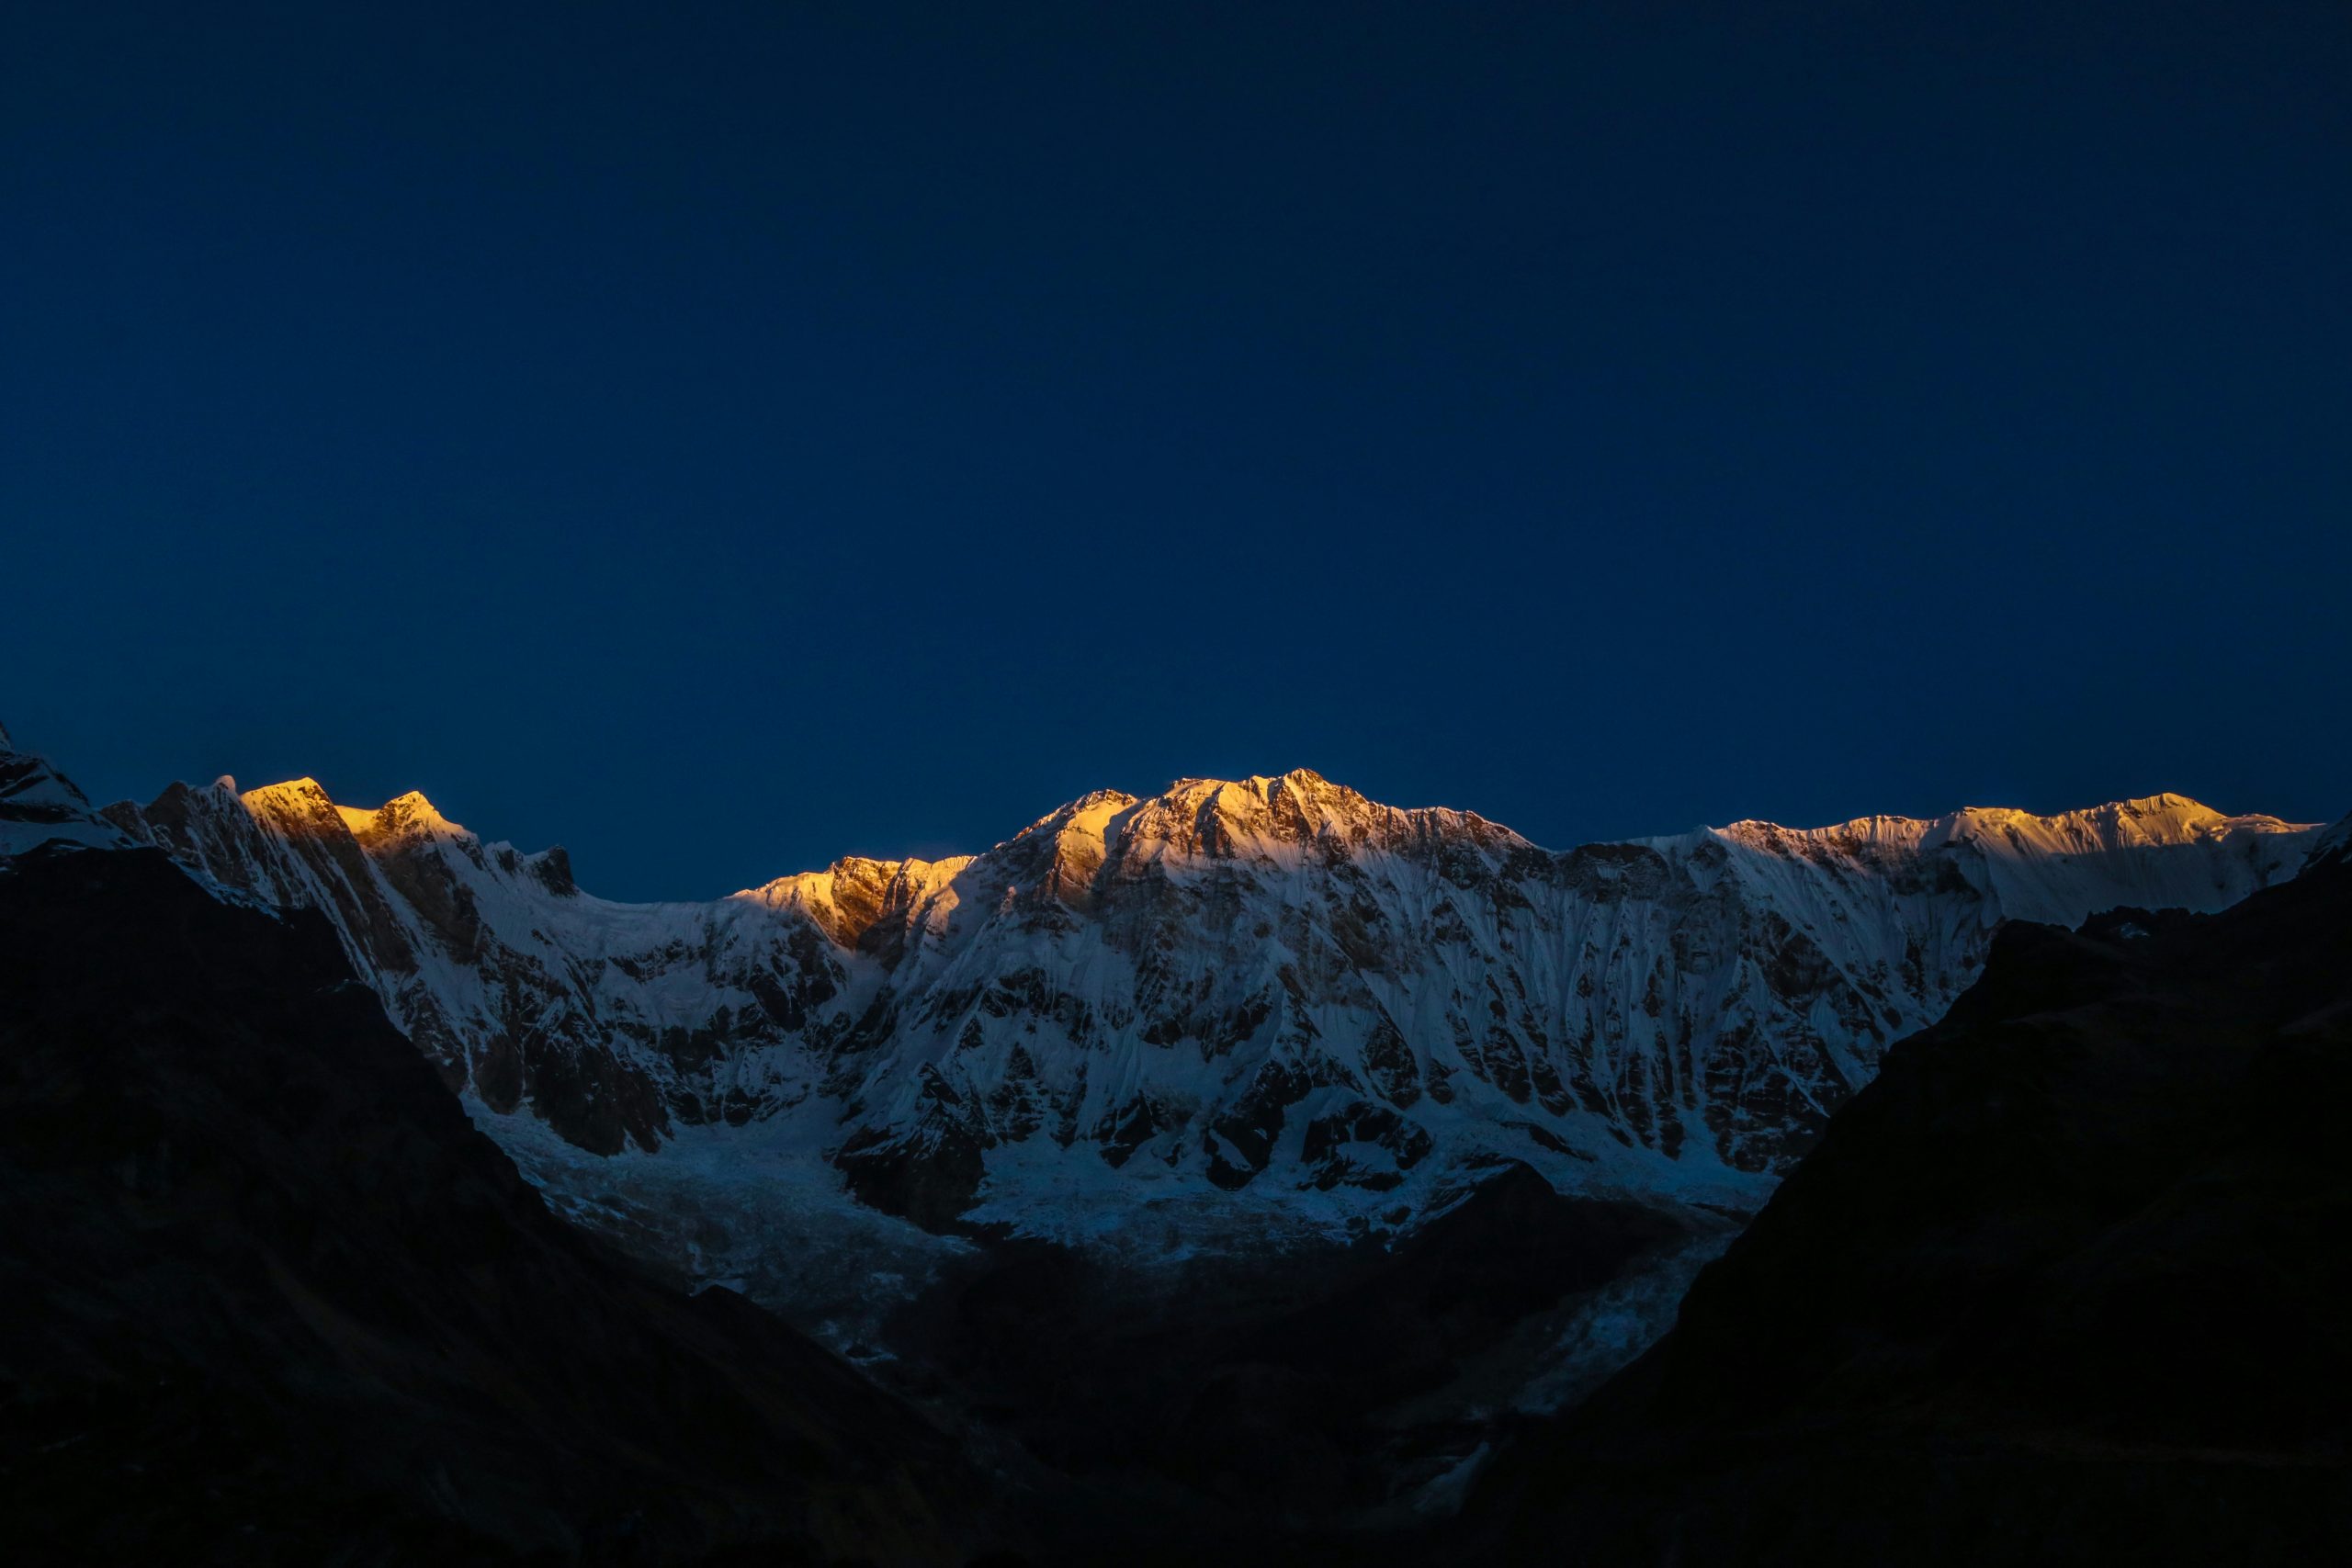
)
(1265, 1409)
(2070, 1282)
(266, 1296)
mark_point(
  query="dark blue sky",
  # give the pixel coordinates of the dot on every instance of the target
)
(724, 439)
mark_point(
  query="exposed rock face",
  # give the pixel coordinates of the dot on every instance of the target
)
(2064, 1284)
(266, 1297)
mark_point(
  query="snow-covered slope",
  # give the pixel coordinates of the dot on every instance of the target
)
(37, 804)
(2334, 844)
(1264, 997)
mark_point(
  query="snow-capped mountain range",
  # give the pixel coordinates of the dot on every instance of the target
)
(1273, 984)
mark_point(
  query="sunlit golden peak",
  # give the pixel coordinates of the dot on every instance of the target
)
(410, 816)
(292, 793)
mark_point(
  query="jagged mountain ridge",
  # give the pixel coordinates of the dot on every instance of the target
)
(1272, 984)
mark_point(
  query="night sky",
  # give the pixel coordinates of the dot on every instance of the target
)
(720, 439)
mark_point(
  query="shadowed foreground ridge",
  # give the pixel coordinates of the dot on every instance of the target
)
(2067, 1283)
(266, 1296)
